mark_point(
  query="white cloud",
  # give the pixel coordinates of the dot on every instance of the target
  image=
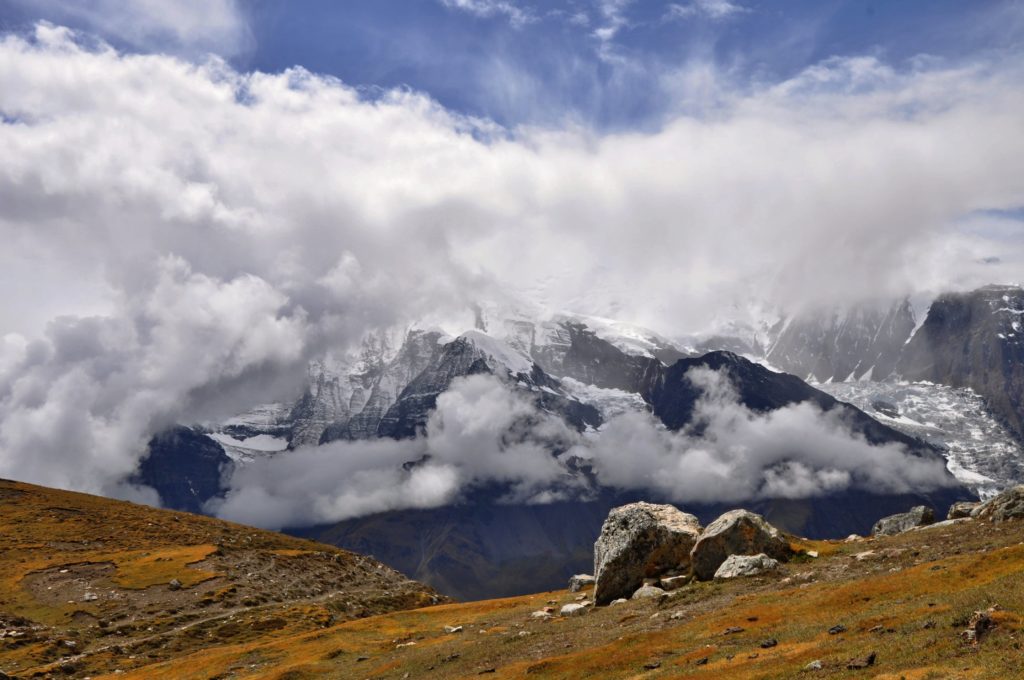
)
(517, 15)
(215, 228)
(712, 9)
(484, 433)
(178, 26)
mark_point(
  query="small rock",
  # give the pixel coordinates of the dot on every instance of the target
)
(769, 643)
(674, 582)
(703, 661)
(540, 614)
(811, 553)
(866, 555)
(736, 566)
(652, 665)
(580, 581)
(853, 538)
(837, 629)
(865, 662)
(732, 630)
(175, 584)
(813, 666)
(677, 616)
(918, 516)
(648, 592)
(979, 624)
(573, 609)
(621, 600)
(90, 597)
(452, 629)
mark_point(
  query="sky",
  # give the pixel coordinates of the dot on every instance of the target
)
(198, 197)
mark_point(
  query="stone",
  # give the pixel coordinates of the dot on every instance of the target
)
(648, 592)
(737, 532)
(813, 666)
(769, 643)
(90, 597)
(961, 510)
(573, 609)
(736, 566)
(837, 629)
(175, 584)
(638, 541)
(540, 614)
(1007, 505)
(452, 629)
(674, 582)
(580, 581)
(620, 600)
(864, 662)
(919, 516)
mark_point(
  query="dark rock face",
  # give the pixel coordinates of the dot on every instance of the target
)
(919, 516)
(419, 351)
(578, 353)
(673, 397)
(975, 340)
(843, 346)
(185, 467)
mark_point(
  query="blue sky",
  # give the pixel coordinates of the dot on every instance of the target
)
(607, 64)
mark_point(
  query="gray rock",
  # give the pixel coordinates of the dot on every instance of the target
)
(919, 516)
(638, 541)
(175, 584)
(674, 582)
(620, 600)
(813, 666)
(648, 592)
(452, 629)
(737, 532)
(961, 510)
(579, 582)
(573, 609)
(736, 566)
(1007, 505)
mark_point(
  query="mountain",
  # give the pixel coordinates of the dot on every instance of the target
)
(587, 370)
(862, 342)
(91, 586)
(975, 340)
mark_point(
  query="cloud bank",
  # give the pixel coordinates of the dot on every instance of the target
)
(179, 236)
(483, 432)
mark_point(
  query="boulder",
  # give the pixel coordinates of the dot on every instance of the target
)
(638, 541)
(961, 510)
(674, 582)
(573, 610)
(920, 516)
(1007, 505)
(736, 566)
(579, 582)
(648, 593)
(737, 532)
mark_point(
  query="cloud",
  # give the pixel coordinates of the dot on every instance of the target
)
(516, 15)
(179, 26)
(201, 231)
(793, 452)
(711, 9)
(483, 432)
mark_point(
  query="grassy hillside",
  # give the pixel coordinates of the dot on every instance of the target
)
(906, 599)
(90, 585)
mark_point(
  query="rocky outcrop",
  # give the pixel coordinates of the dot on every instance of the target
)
(638, 541)
(736, 566)
(961, 509)
(920, 516)
(579, 582)
(737, 532)
(1007, 505)
(185, 467)
(975, 340)
(863, 342)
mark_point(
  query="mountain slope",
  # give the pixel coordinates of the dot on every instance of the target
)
(904, 600)
(90, 585)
